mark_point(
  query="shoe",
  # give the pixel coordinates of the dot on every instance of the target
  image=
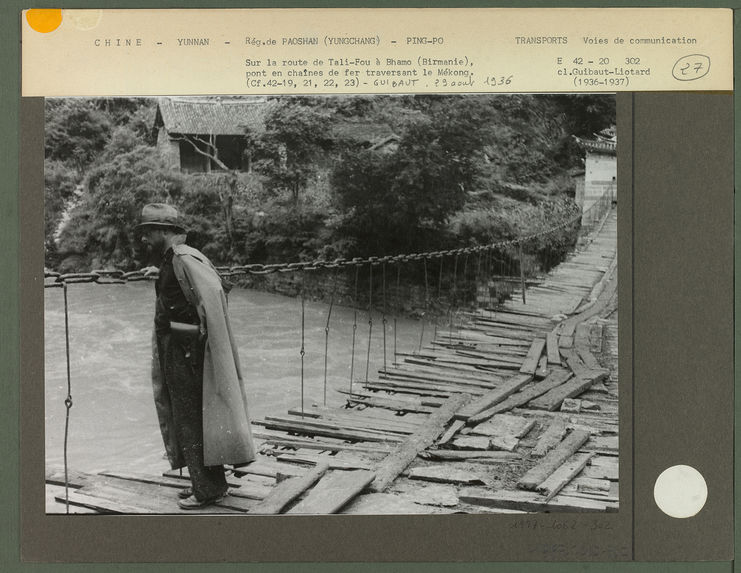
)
(185, 492)
(193, 503)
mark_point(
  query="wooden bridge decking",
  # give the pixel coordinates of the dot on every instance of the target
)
(515, 410)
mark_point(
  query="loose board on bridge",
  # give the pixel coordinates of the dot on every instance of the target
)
(332, 492)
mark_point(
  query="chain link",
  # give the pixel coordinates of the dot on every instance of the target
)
(54, 279)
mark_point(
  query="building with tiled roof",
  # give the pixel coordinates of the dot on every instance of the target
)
(214, 126)
(599, 177)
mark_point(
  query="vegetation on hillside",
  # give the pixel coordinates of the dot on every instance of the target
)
(457, 171)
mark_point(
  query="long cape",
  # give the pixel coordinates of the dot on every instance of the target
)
(227, 436)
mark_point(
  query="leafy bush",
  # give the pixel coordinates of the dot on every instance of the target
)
(329, 181)
(101, 226)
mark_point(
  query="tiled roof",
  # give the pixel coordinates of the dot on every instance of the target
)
(220, 116)
(603, 146)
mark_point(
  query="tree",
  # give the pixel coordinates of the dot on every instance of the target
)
(102, 225)
(297, 133)
(226, 184)
(60, 186)
(401, 200)
(76, 132)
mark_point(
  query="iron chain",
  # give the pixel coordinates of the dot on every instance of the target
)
(54, 279)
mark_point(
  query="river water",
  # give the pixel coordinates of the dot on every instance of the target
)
(113, 423)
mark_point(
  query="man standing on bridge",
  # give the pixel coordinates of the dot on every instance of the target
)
(196, 376)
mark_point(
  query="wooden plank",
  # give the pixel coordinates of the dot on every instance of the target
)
(100, 504)
(349, 419)
(436, 494)
(151, 498)
(53, 506)
(499, 355)
(507, 443)
(487, 349)
(528, 501)
(502, 425)
(338, 424)
(537, 475)
(521, 320)
(75, 479)
(234, 479)
(178, 483)
(605, 461)
(615, 489)
(542, 370)
(287, 442)
(430, 373)
(563, 475)
(552, 399)
(576, 364)
(476, 443)
(603, 443)
(554, 357)
(396, 404)
(482, 331)
(386, 504)
(231, 481)
(444, 474)
(530, 365)
(365, 414)
(596, 337)
(581, 335)
(481, 336)
(407, 451)
(419, 389)
(427, 370)
(565, 343)
(500, 329)
(443, 367)
(590, 361)
(590, 484)
(324, 430)
(451, 431)
(333, 491)
(497, 395)
(507, 364)
(470, 455)
(435, 376)
(596, 423)
(610, 501)
(402, 419)
(554, 379)
(552, 435)
(289, 490)
(334, 462)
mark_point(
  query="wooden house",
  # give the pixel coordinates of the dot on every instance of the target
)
(192, 132)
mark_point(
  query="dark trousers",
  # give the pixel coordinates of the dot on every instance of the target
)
(182, 368)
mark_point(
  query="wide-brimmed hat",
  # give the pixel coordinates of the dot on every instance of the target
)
(160, 215)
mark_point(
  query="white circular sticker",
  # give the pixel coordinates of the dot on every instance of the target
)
(680, 491)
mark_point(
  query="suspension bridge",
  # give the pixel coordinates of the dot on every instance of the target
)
(511, 407)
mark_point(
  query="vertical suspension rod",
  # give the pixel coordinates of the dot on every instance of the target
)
(370, 318)
(326, 333)
(427, 301)
(354, 328)
(67, 400)
(522, 275)
(303, 351)
(383, 318)
(398, 279)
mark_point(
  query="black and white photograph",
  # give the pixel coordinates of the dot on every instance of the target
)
(346, 304)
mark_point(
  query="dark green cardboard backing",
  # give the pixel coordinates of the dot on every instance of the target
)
(659, 223)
